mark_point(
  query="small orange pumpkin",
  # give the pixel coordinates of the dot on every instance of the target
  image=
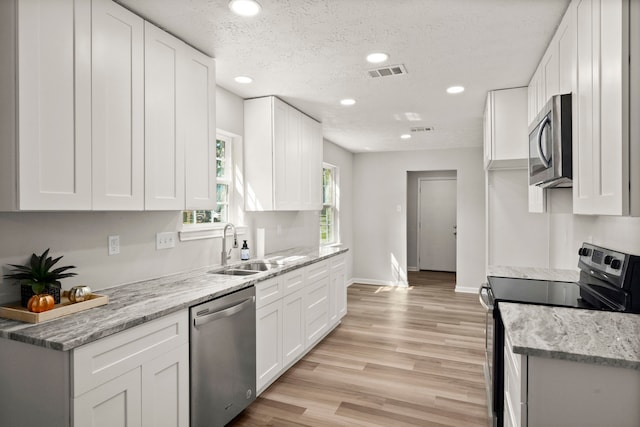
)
(41, 302)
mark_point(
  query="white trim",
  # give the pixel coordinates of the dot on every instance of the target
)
(350, 282)
(413, 269)
(466, 290)
(209, 232)
(375, 282)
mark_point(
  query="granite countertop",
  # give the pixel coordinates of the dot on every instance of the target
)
(136, 303)
(556, 275)
(589, 336)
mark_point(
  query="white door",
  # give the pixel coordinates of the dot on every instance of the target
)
(437, 225)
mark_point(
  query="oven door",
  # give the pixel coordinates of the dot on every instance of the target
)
(487, 302)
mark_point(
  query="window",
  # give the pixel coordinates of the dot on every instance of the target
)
(224, 186)
(329, 213)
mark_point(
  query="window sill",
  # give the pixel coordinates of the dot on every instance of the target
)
(331, 245)
(209, 232)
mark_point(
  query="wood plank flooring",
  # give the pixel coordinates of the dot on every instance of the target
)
(401, 357)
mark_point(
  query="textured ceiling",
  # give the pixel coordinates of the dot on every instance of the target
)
(311, 53)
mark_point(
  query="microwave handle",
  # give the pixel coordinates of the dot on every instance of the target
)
(546, 122)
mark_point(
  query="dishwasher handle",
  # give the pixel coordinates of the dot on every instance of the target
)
(227, 312)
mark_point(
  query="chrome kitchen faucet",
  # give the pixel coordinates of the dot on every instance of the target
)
(225, 256)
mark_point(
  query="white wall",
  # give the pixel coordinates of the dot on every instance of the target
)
(343, 159)
(515, 236)
(413, 197)
(380, 231)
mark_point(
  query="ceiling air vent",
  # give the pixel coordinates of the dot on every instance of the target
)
(422, 129)
(391, 70)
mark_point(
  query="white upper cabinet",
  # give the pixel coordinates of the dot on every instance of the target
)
(179, 124)
(163, 139)
(311, 155)
(282, 157)
(103, 118)
(604, 177)
(198, 124)
(46, 50)
(117, 71)
(506, 138)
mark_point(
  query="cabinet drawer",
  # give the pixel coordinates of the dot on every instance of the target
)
(268, 291)
(293, 281)
(100, 361)
(317, 270)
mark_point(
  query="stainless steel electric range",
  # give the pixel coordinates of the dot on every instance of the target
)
(609, 280)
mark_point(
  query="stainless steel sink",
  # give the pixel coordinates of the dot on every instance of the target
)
(234, 272)
(256, 266)
(246, 269)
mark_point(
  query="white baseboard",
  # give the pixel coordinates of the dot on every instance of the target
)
(466, 290)
(413, 269)
(350, 282)
(376, 282)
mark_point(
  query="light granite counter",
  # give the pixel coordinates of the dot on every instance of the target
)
(556, 275)
(136, 303)
(589, 336)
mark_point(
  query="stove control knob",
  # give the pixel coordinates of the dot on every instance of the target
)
(579, 251)
(608, 259)
(616, 264)
(584, 252)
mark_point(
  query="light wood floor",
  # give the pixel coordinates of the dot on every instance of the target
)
(401, 357)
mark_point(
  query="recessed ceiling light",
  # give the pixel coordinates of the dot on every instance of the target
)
(245, 7)
(347, 101)
(377, 57)
(243, 79)
(455, 89)
(405, 136)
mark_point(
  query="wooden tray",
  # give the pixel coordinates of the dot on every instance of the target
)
(16, 312)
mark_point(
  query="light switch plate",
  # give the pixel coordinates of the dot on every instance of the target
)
(165, 240)
(114, 245)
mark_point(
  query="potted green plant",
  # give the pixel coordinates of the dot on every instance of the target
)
(39, 278)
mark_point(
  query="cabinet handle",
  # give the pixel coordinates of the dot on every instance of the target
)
(546, 162)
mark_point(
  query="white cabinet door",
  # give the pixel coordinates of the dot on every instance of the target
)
(293, 341)
(165, 389)
(198, 127)
(268, 344)
(601, 146)
(117, 111)
(116, 403)
(566, 41)
(54, 105)
(316, 303)
(506, 131)
(287, 157)
(551, 69)
(311, 150)
(338, 296)
(163, 143)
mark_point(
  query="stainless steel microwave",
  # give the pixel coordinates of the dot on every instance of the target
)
(550, 144)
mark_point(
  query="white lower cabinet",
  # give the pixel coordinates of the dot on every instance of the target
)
(542, 392)
(268, 343)
(139, 377)
(113, 404)
(293, 314)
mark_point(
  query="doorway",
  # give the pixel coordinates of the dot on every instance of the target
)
(437, 229)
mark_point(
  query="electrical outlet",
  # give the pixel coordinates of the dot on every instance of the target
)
(165, 240)
(114, 245)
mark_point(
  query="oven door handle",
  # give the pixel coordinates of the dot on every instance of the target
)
(484, 298)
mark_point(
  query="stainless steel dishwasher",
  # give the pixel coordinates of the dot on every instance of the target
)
(223, 358)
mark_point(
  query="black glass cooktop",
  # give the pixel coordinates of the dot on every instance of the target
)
(544, 292)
